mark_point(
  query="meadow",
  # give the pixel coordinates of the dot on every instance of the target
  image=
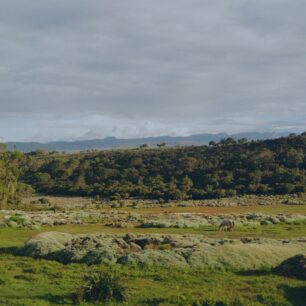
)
(33, 281)
(27, 281)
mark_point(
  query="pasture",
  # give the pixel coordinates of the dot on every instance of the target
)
(37, 281)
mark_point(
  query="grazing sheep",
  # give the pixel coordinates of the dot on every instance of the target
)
(226, 225)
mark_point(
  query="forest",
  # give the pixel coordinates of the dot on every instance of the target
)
(109, 228)
(220, 169)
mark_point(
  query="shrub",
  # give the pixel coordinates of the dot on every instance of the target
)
(17, 218)
(102, 287)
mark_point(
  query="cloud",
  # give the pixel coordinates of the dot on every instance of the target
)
(74, 68)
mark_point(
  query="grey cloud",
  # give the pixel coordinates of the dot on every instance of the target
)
(177, 66)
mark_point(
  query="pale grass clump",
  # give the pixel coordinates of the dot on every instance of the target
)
(238, 257)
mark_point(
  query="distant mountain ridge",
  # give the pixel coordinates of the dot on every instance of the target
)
(113, 142)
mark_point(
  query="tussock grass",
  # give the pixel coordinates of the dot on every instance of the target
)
(237, 257)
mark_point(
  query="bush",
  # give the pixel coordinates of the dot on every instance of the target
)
(17, 218)
(102, 287)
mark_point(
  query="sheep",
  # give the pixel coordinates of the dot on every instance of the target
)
(226, 225)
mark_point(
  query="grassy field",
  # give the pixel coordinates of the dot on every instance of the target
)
(26, 281)
(30, 282)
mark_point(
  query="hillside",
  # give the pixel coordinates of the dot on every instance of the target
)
(226, 168)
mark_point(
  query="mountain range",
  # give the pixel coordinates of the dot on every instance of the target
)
(113, 142)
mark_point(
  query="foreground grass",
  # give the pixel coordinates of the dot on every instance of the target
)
(25, 281)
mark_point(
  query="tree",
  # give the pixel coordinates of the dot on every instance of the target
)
(186, 185)
(189, 164)
(228, 141)
(294, 157)
(11, 168)
(242, 141)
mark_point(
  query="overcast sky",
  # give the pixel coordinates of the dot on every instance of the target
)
(72, 69)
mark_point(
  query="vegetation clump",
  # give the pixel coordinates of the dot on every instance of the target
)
(19, 219)
(102, 287)
(188, 251)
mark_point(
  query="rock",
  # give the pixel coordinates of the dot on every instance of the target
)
(293, 267)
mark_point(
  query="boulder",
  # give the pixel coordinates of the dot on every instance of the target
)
(293, 267)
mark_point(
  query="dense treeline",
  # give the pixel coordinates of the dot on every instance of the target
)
(11, 168)
(227, 168)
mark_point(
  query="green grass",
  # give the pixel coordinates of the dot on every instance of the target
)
(25, 281)
(29, 282)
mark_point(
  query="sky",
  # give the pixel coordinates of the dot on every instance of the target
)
(82, 69)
